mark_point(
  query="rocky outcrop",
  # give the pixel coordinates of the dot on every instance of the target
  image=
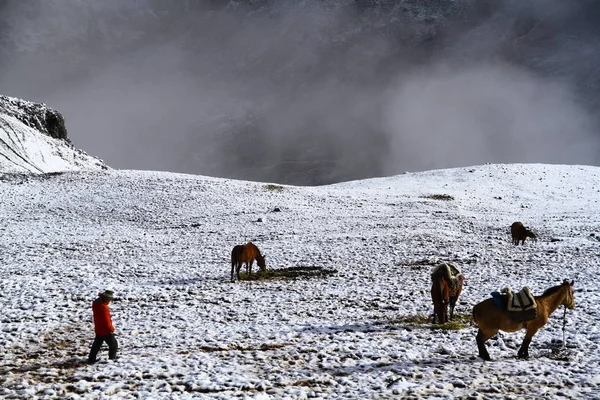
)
(33, 139)
(35, 115)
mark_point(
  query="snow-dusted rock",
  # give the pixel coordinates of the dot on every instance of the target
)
(33, 139)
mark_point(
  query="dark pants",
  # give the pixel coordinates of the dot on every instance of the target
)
(112, 347)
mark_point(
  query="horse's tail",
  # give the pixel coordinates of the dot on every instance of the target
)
(233, 261)
(441, 287)
(440, 296)
(235, 257)
(477, 310)
(447, 284)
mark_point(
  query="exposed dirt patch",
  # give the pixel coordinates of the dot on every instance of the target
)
(271, 186)
(460, 321)
(445, 197)
(289, 273)
(262, 347)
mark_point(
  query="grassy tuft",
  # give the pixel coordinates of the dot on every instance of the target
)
(445, 197)
(460, 321)
(288, 273)
(271, 186)
(450, 326)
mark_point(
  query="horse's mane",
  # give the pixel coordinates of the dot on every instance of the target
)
(551, 290)
(250, 244)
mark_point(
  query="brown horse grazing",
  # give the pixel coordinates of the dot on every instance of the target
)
(446, 285)
(490, 318)
(246, 253)
(520, 233)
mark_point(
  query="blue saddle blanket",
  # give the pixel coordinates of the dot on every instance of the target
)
(497, 296)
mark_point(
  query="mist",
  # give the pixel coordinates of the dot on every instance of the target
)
(311, 92)
(447, 116)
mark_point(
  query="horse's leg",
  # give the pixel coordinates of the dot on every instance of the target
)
(232, 269)
(524, 349)
(452, 304)
(445, 311)
(438, 311)
(481, 339)
(237, 268)
(441, 312)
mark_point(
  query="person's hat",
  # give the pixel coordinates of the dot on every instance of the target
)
(107, 294)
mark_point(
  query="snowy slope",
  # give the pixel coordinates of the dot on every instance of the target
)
(162, 242)
(25, 149)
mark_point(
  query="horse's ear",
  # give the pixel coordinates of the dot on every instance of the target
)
(572, 282)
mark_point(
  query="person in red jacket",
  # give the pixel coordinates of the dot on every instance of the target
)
(103, 327)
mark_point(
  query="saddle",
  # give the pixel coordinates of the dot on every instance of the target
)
(521, 306)
(452, 272)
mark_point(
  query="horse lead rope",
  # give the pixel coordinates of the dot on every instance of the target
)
(564, 327)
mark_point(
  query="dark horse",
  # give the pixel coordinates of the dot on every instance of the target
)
(519, 233)
(490, 318)
(246, 253)
(446, 285)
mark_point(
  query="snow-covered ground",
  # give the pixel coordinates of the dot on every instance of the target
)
(162, 242)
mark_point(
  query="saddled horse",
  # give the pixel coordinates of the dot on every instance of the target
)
(246, 253)
(491, 318)
(446, 285)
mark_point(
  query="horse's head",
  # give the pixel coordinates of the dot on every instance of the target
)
(569, 301)
(530, 234)
(260, 260)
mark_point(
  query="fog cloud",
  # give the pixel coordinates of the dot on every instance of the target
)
(300, 92)
(447, 116)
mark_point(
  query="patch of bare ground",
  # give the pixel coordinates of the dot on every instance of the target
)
(445, 197)
(460, 321)
(288, 273)
(262, 347)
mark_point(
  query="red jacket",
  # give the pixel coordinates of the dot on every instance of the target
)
(102, 322)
